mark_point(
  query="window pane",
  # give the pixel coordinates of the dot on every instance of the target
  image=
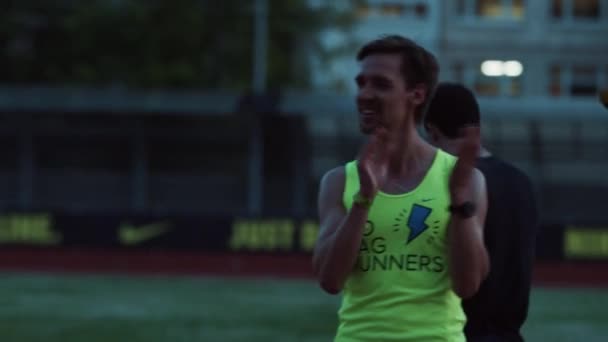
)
(458, 72)
(584, 81)
(420, 9)
(487, 86)
(518, 9)
(461, 7)
(557, 9)
(586, 8)
(515, 87)
(362, 11)
(555, 77)
(489, 8)
(392, 9)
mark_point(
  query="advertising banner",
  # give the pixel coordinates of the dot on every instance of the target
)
(272, 235)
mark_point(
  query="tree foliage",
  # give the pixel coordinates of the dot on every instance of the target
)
(158, 43)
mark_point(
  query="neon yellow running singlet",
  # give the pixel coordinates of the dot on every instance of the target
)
(400, 289)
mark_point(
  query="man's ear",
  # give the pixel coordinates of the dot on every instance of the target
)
(419, 94)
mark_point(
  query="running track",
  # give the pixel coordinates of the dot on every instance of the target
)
(222, 264)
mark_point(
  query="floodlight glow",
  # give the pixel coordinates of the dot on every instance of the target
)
(512, 68)
(492, 68)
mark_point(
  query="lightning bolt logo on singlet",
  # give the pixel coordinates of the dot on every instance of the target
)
(416, 221)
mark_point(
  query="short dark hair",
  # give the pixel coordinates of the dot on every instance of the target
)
(452, 107)
(418, 66)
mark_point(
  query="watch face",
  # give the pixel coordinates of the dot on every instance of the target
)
(468, 209)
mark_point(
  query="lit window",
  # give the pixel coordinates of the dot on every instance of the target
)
(487, 86)
(491, 78)
(518, 8)
(584, 81)
(495, 86)
(392, 9)
(362, 11)
(510, 9)
(489, 8)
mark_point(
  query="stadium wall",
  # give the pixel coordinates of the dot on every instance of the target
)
(224, 245)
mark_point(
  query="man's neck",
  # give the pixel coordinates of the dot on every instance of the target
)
(410, 153)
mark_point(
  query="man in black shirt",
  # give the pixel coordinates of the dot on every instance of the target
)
(500, 307)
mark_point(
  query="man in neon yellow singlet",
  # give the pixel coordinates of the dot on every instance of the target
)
(401, 227)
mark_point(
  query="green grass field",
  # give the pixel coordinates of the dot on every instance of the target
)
(36, 307)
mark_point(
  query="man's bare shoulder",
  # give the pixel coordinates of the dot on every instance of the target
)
(333, 180)
(479, 182)
(478, 176)
(330, 192)
(337, 173)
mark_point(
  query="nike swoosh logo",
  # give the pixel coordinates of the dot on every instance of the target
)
(427, 199)
(129, 234)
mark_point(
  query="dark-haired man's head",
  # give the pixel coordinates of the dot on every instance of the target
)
(452, 108)
(395, 82)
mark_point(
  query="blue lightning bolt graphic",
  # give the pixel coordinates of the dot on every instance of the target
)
(416, 223)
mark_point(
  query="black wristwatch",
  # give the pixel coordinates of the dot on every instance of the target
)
(464, 210)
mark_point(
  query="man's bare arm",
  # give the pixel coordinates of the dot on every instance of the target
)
(339, 240)
(469, 261)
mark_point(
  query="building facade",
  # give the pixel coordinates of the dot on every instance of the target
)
(536, 67)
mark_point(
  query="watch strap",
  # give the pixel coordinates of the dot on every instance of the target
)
(464, 210)
(363, 201)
